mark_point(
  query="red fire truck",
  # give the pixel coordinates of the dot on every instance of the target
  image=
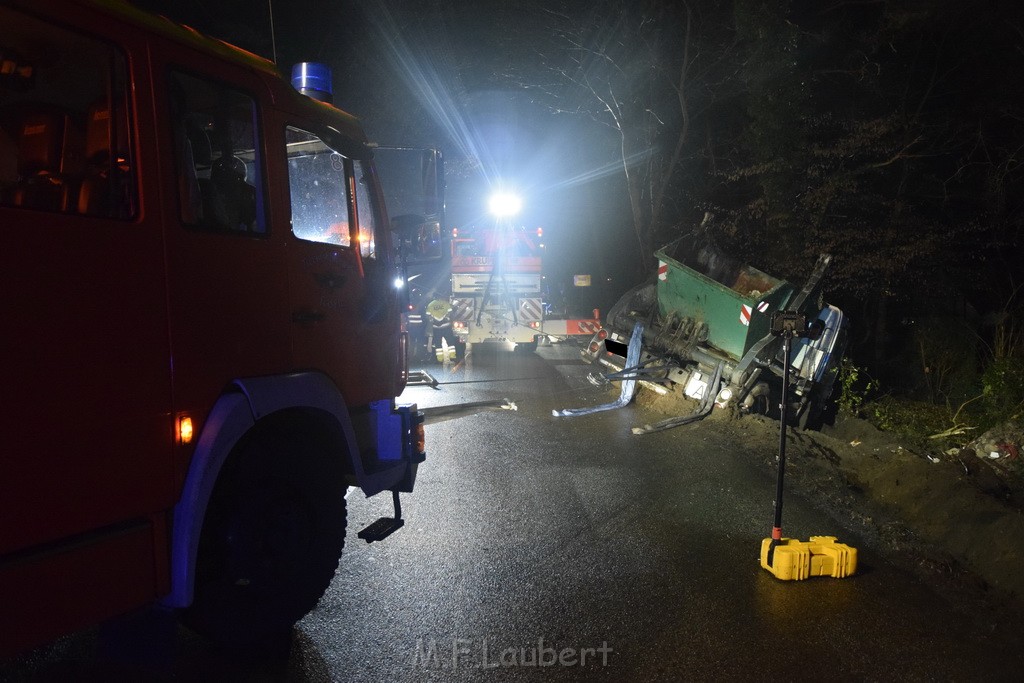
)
(201, 338)
(496, 285)
(498, 292)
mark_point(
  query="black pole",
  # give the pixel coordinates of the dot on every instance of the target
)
(782, 434)
(784, 409)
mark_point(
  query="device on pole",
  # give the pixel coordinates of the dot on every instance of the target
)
(788, 558)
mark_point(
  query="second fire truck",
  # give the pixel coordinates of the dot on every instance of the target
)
(496, 286)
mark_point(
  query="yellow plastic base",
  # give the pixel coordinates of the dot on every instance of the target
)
(820, 556)
(440, 353)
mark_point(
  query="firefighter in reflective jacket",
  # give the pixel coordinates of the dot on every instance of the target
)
(439, 315)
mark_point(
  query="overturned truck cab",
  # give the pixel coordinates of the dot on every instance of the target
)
(706, 316)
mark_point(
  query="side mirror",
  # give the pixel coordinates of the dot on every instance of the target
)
(418, 239)
(406, 223)
(432, 169)
(412, 179)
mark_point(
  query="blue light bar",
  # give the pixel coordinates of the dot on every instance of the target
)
(313, 80)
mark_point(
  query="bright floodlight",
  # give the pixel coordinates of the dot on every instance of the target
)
(505, 204)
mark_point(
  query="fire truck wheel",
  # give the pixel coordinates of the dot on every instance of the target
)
(272, 535)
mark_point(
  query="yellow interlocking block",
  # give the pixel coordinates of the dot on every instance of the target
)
(820, 556)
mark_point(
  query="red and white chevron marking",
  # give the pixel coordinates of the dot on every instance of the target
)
(662, 271)
(531, 309)
(745, 312)
(462, 309)
(567, 328)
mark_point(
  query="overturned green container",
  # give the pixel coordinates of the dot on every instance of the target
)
(735, 300)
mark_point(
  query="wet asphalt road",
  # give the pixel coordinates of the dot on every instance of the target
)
(541, 548)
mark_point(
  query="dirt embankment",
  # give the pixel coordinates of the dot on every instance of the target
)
(948, 517)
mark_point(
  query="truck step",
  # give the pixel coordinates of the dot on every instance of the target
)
(421, 378)
(381, 529)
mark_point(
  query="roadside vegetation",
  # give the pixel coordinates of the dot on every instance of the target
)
(957, 383)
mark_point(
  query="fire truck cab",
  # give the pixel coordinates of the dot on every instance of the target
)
(201, 338)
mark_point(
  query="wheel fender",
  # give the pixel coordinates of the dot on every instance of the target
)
(312, 390)
(229, 420)
(234, 414)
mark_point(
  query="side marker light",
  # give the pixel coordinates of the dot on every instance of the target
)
(185, 430)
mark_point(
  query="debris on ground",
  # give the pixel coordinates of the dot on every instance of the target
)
(1001, 449)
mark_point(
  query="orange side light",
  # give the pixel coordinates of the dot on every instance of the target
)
(421, 439)
(185, 432)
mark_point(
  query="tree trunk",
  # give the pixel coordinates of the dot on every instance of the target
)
(635, 206)
(881, 329)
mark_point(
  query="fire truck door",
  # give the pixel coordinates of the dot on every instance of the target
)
(84, 361)
(339, 311)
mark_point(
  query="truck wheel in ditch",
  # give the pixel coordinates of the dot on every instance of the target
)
(641, 298)
(272, 536)
(812, 416)
(760, 405)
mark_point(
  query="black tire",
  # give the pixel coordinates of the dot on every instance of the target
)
(272, 536)
(812, 417)
(526, 347)
(640, 298)
(824, 413)
(417, 350)
(761, 405)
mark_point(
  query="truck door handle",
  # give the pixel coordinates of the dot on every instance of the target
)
(306, 317)
(329, 280)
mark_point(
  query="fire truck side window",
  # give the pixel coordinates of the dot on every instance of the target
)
(318, 189)
(64, 127)
(219, 177)
(366, 208)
